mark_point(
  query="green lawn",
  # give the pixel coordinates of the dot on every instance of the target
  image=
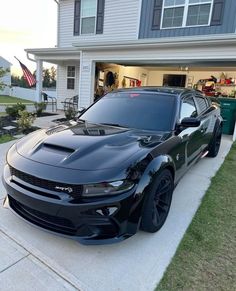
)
(206, 257)
(7, 99)
(6, 138)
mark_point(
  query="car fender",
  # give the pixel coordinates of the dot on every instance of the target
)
(153, 169)
(218, 123)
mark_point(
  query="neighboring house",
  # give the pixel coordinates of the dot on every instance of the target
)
(141, 42)
(7, 78)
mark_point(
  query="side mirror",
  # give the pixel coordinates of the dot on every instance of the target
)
(190, 122)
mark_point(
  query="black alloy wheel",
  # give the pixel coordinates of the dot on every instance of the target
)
(214, 146)
(157, 203)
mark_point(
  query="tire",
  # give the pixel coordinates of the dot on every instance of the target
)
(214, 145)
(156, 210)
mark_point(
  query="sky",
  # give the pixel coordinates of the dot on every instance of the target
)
(26, 24)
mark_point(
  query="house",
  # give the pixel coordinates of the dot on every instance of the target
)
(105, 44)
(6, 80)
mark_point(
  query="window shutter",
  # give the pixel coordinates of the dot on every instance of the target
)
(100, 16)
(217, 12)
(156, 20)
(77, 8)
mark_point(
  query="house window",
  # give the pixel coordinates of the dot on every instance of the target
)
(88, 16)
(71, 77)
(184, 13)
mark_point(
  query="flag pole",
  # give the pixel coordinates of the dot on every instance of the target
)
(16, 59)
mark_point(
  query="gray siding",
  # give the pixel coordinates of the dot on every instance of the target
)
(120, 23)
(228, 25)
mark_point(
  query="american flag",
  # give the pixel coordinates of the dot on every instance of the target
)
(30, 79)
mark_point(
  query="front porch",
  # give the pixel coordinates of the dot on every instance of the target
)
(62, 58)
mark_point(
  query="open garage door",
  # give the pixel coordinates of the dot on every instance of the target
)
(212, 80)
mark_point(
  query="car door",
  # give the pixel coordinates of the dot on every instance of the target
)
(205, 116)
(191, 136)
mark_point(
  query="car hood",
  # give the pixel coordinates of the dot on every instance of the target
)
(86, 146)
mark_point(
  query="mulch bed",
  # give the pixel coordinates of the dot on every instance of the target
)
(9, 121)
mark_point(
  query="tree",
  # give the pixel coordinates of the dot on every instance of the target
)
(49, 79)
(3, 72)
(53, 77)
(46, 78)
(19, 81)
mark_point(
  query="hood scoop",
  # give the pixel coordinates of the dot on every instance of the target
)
(50, 153)
(57, 148)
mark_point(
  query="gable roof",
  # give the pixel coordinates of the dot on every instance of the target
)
(4, 63)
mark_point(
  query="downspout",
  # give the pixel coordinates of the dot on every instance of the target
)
(139, 18)
(29, 58)
(58, 35)
(58, 18)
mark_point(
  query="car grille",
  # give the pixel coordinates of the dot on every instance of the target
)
(75, 191)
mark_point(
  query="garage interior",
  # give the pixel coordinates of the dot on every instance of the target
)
(217, 80)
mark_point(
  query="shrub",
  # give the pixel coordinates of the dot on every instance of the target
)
(25, 121)
(13, 111)
(70, 113)
(40, 107)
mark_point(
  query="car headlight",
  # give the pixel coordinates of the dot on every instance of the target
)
(105, 188)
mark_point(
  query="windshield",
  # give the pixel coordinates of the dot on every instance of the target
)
(140, 110)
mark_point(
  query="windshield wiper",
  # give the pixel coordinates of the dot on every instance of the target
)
(113, 124)
(102, 123)
(81, 120)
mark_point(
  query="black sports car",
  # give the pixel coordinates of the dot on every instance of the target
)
(112, 171)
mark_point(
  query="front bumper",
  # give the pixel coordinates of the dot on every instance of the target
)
(91, 221)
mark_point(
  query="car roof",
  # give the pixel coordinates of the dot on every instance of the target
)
(167, 90)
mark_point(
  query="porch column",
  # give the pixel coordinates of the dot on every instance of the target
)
(39, 78)
(86, 80)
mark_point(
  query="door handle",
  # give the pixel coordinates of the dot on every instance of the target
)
(203, 130)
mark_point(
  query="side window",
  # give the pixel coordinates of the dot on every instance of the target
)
(71, 77)
(201, 103)
(188, 108)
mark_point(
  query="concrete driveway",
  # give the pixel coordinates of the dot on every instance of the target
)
(34, 259)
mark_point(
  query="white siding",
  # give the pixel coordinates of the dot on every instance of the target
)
(24, 93)
(29, 94)
(120, 22)
(7, 78)
(62, 91)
